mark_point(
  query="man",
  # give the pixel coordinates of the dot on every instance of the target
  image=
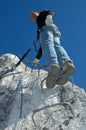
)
(59, 63)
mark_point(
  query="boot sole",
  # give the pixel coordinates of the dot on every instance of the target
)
(65, 77)
(52, 76)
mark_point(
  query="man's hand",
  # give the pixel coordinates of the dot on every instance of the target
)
(35, 62)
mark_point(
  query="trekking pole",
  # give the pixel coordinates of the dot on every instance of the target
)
(25, 54)
(21, 59)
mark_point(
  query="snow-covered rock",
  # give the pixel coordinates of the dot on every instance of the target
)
(26, 104)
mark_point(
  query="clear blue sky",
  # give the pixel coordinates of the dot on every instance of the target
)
(17, 31)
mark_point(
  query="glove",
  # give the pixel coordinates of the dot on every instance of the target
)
(49, 20)
(35, 62)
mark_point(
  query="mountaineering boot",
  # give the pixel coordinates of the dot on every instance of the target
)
(67, 70)
(53, 74)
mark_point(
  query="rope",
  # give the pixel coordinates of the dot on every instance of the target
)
(53, 105)
(49, 106)
(21, 102)
(29, 62)
(21, 59)
(25, 54)
(70, 78)
(45, 107)
(6, 72)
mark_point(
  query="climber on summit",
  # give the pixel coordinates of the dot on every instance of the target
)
(59, 63)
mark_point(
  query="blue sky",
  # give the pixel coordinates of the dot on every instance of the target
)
(17, 31)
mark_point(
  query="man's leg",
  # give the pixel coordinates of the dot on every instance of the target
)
(47, 43)
(53, 74)
(67, 67)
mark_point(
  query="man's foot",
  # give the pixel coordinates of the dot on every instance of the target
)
(67, 70)
(52, 75)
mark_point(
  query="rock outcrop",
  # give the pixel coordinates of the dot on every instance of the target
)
(26, 103)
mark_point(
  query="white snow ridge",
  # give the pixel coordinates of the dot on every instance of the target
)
(26, 104)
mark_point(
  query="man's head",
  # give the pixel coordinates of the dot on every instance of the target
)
(34, 15)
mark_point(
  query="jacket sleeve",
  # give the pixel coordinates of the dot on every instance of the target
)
(39, 54)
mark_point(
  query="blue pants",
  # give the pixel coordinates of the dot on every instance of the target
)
(51, 47)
